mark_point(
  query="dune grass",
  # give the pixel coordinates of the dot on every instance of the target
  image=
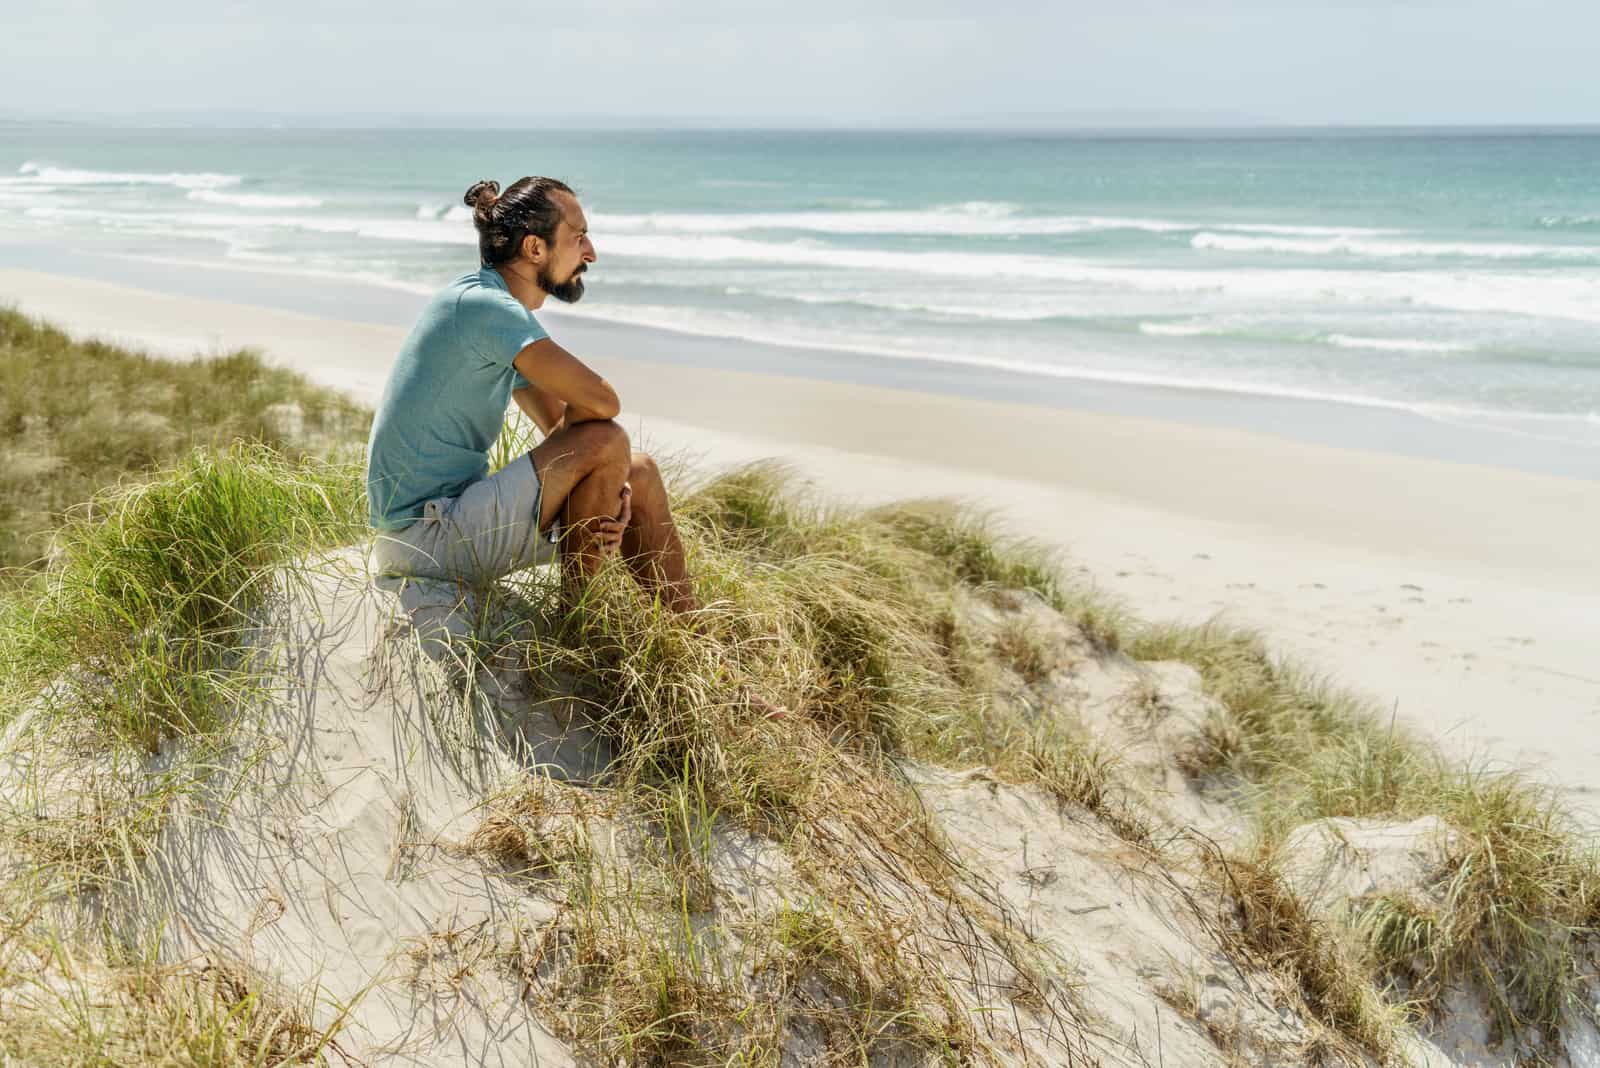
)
(220, 1013)
(77, 416)
(155, 584)
(125, 664)
(1520, 893)
(135, 634)
(837, 615)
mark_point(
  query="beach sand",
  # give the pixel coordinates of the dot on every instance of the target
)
(1465, 597)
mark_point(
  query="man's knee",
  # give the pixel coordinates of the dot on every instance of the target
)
(643, 469)
(603, 442)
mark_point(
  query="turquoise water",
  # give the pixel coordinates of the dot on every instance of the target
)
(1456, 275)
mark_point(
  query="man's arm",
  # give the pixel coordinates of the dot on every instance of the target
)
(563, 378)
(544, 408)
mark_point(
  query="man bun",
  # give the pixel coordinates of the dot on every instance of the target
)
(482, 195)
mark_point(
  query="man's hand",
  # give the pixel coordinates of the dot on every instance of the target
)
(609, 531)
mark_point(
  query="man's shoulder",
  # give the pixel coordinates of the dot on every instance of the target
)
(477, 298)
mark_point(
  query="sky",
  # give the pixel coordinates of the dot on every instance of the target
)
(821, 62)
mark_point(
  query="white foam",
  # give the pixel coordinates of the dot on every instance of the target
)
(456, 213)
(971, 219)
(1570, 222)
(1573, 294)
(704, 322)
(34, 173)
(254, 200)
(1354, 246)
(423, 231)
(1570, 296)
(1195, 328)
(687, 321)
(1396, 344)
(1004, 309)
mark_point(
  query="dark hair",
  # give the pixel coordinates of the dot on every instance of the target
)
(504, 219)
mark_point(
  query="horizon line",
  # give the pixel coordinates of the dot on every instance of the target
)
(1019, 122)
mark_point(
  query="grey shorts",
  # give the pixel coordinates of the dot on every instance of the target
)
(491, 529)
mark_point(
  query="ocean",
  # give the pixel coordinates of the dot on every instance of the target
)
(1451, 274)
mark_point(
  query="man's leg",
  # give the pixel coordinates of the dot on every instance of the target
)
(581, 470)
(650, 544)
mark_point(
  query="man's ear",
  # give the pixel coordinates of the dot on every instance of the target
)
(532, 246)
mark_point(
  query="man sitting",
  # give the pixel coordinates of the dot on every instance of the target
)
(446, 525)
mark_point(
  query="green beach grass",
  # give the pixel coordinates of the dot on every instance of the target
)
(77, 416)
(131, 638)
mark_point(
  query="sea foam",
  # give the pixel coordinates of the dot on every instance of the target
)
(1353, 246)
(33, 173)
(254, 200)
(1571, 297)
(1578, 426)
(970, 219)
(1397, 344)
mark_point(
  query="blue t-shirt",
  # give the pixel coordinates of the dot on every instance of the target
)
(446, 397)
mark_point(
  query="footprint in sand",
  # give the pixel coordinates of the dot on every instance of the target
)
(1415, 600)
(1241, 585)
(1461, 600)
(1410, 586)
(1202, 556)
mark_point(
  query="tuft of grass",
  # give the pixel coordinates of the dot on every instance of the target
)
(78, 415)
(536, 831)
(156, 584)
(1272, 926)
(71, 1011)
(1521, 889)
(124, 664)
(1510, 915)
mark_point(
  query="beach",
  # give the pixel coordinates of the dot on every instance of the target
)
(1462, 594)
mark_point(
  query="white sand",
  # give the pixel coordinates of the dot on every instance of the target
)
(1467, 597)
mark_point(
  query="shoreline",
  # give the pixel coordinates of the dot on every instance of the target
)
(1378, 426)
(1466, 596)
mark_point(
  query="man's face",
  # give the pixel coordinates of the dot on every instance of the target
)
(568, 254)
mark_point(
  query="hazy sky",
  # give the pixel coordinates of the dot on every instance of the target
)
(1336, 61)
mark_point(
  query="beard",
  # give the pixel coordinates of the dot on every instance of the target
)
(568, 292)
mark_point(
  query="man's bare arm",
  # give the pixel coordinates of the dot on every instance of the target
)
(544, 408)
(556, 372)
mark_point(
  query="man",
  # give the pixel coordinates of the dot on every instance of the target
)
(444, 524)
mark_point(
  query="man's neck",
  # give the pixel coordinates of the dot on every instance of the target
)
(521, 285)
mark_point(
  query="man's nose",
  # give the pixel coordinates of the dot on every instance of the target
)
(588, 251)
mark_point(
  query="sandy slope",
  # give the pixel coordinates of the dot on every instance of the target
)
(341, 863)
(1467, 597)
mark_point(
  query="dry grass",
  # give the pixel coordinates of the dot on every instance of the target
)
(76, 417)
(1509, 915)
(135, 639)
(67, 1010)
(1273, 927)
